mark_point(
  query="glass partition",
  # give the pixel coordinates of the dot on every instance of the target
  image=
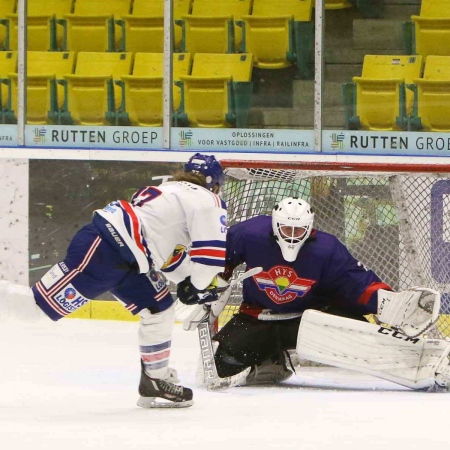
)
(97, 74)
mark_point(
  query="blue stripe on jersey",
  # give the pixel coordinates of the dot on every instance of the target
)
(213, 243)
(209, 261)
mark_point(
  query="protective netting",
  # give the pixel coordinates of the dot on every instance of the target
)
(394, 223)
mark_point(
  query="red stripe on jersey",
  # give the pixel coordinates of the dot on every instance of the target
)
(218, 203)
(208, 252)
(136, 226)
(160, 295)
(365, 296)
(217, 200)
(50, 302)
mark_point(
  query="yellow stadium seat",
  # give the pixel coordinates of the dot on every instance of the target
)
(279, 33)
(218, 93)
(43, 71)
(210, 28)
(92, 26)
(432, 108)
(91, 94)
(8, 66)
(144, 27)
(41, 24)
(143, 90)
(6, 7)
(432, 28)
(379, 99)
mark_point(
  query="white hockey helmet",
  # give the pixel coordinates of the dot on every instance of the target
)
(292, 221)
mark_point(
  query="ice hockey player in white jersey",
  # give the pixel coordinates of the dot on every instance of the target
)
(174, 231)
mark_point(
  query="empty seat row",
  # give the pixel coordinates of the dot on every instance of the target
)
(91, 25)
(108, 88)
(277, 34)
(121, 25)
(400, 93)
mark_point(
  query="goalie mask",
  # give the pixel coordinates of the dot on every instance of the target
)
(292, 221)
(209, 167)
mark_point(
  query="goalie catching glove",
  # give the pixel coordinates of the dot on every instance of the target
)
(189, 295)
(413, 312)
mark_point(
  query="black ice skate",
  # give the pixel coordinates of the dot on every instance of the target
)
(156, 393)
(268, 372)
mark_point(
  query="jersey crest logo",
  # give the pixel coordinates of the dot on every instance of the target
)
(175, 259)
(282, 285)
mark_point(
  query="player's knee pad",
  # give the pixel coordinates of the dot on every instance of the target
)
(157, 327)
(155, 334)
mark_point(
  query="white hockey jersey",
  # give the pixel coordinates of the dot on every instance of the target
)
(179, 226)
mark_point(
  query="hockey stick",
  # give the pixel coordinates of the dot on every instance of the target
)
(212, 380)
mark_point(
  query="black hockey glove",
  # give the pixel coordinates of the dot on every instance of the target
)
(189, 295)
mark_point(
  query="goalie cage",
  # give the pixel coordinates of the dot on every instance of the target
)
(394, 218)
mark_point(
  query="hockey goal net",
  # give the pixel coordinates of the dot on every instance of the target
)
(395, 219)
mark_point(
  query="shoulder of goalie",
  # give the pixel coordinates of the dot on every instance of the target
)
(413, 311)
(416, 363)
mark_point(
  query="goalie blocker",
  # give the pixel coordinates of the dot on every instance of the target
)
(386, 353)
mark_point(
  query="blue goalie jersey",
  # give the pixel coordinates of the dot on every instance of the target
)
(323, 274)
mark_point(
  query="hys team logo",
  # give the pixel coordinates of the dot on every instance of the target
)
(282, 284)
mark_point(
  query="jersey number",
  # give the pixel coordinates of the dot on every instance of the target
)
(145, 195)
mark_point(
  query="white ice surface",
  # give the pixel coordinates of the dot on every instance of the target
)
(72, 385)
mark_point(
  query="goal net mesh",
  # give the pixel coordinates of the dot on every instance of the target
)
(397, 224)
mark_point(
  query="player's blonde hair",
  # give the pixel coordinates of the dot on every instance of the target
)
(191, 177)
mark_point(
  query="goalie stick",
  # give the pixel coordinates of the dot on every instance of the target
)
(212, 380)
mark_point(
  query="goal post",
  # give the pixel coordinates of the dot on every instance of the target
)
(394, 218)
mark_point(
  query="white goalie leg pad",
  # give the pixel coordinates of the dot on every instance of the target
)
(17, 303)
(443, 372)
(371, 349)
(413, 311)
(155, 335)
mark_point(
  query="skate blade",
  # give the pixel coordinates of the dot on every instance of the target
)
(157, 402)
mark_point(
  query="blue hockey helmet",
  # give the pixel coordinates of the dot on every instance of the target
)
(209, 167)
